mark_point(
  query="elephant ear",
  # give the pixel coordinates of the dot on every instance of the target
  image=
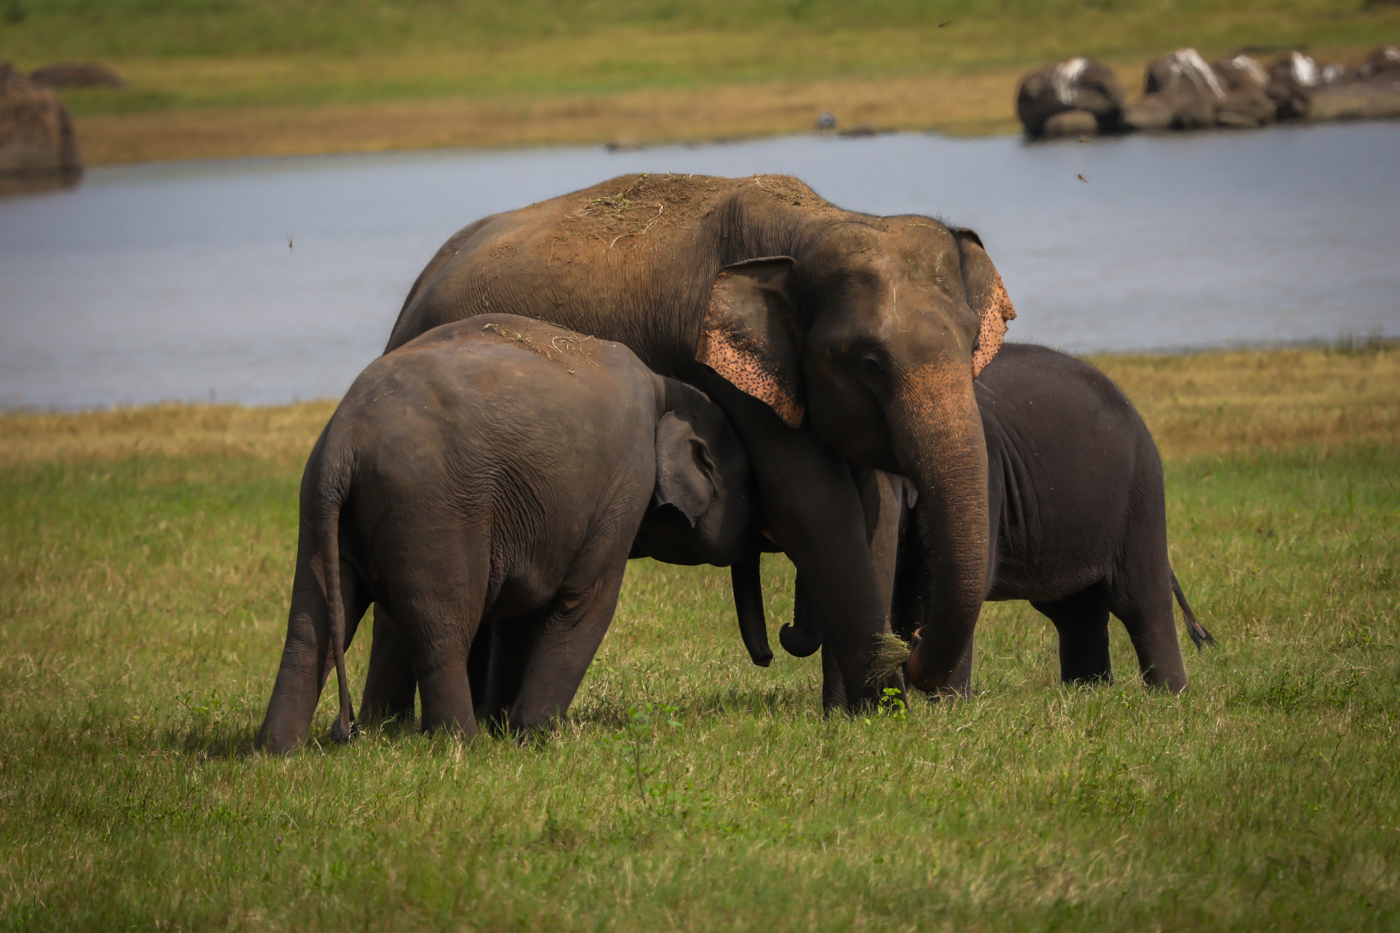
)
(985, 295)
(749, 335)
(685, 469)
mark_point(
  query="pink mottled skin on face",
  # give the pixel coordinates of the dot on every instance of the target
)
(747, 373)
(993, 328)
(745, 357)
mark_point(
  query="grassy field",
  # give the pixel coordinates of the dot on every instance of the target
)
(145, 566)
(235, 77)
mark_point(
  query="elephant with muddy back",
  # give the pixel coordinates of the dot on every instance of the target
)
(484, 485)
(832, 339)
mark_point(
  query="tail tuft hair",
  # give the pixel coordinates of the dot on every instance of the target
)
(1196, 630)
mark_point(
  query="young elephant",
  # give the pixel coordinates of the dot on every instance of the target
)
(1078, 520)
(495, 472)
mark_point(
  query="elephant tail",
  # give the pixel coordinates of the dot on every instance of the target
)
(1196, 630)
(333, 487)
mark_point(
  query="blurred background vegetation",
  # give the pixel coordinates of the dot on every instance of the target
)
(217, 53)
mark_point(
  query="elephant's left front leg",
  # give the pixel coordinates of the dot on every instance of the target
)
(816, 515)
(883, 496)
(563, 647)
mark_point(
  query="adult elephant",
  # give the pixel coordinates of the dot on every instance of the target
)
(830, 338)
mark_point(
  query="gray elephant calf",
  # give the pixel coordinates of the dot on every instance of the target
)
(492, 475)
(1078, 517)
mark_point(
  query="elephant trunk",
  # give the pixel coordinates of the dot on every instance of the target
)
(947, 463)
(747, 582)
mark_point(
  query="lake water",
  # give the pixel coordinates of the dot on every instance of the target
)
(264, 281)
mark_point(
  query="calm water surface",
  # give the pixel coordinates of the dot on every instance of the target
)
(270, 280)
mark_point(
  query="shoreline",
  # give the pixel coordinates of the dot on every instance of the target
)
(227, 81)
(981, 104)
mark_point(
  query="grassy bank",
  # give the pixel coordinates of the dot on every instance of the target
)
(237, 77)
(145, 569)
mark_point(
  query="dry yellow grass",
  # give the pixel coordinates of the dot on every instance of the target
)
(1205, 403)
(980, 103)
(972, 101)
(1230, 402)
(282, 434)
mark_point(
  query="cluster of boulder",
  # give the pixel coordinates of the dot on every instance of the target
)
(38, 148)
(1181, 91)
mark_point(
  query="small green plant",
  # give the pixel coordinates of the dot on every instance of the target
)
(892, 705)
(205, 712)
(638, 734)
(668, 798)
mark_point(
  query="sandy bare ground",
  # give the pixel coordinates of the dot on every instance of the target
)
(976, 104)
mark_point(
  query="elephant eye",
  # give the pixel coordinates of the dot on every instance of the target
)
(869, 365)
(869, 362)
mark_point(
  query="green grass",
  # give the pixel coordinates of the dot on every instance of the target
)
(142, 599)
(214, 53)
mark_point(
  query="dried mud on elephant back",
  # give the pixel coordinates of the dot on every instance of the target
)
(645, 205)
(566, 348)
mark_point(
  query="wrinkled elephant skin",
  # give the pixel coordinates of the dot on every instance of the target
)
(1078, 519)
(483, 486)
(831, 339)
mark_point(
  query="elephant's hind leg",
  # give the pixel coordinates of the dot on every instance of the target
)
(389, 686)
(1082, 623)
(436, 593)
(1152, 628)
(305, 663)
(563, 647)
(1142, 597)
(438, 660)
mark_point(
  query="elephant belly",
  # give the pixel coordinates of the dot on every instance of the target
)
(1032, 583)
(1047, 570)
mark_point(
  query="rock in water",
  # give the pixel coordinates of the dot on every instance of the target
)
(1188, 85)
(1071, 124)
(36, 132)
(1079, 84)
